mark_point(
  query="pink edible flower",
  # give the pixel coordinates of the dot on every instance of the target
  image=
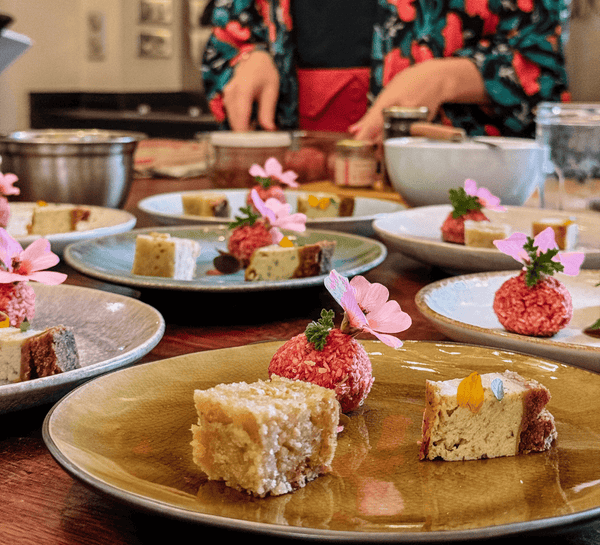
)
(6, 184)
(29, 264)
(484, 195)
(544, 241)
(367, 307)
(279, 216)
(273, 169)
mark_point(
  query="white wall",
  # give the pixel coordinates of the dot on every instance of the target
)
(58, 61)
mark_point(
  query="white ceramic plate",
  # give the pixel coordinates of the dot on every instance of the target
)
(111, 331)
(111, 259)
(127, 435)
(167, 209)
(416, 233)
(461, 308)
(103, 221)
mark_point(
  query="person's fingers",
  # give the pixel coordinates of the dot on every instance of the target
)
(239, 111)
(267, 103)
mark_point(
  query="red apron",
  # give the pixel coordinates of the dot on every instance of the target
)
(332, 99)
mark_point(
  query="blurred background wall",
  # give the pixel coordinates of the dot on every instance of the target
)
(94, 45)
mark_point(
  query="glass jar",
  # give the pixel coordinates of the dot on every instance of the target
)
(398, 119)
(236, 152)
(355, 163)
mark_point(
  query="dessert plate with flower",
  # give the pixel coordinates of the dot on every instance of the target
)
(417, 233)
(474, 308)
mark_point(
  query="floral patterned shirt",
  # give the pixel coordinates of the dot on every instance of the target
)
(516, 45)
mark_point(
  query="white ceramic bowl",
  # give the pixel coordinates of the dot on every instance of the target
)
(423, 170)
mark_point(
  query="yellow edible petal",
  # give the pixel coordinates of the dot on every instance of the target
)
(42, 203)
(285, 242)
(4, 320)
(315, 202)
(470, 392)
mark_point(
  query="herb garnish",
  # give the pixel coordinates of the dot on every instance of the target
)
(463, 203)
(539, 264)
(317, 332)
(249, 218)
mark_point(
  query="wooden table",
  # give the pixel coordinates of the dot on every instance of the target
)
(41, 504)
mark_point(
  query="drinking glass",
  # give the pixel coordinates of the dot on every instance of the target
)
(570, 136)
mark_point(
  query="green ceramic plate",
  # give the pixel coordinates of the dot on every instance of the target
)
(111, 258)
(127, 434)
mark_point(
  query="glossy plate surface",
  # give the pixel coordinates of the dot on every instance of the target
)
(103, 221)
(111, 331)
(127, 434)
(167, 209)
(416, 232)
(461, 307)
(111, 259)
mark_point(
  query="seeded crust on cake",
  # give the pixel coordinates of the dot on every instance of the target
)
(34, 354)
(48, 219)
(519, 423)
(267, 437)
(275, 262)
(203, 204)
(160, 254)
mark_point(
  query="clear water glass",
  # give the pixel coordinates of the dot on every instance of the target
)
(570, 136)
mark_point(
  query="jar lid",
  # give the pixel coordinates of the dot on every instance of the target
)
(403, 112)
(353, 144)
(257, 139)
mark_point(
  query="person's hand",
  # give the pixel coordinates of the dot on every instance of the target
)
(431, 84)
(255, 79)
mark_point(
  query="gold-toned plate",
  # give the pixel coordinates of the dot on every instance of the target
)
(127, 434)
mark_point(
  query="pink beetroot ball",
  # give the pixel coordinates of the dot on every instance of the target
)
(17, 300)
(244, 240)
(453, 229)
(541, 310)
(343, 365)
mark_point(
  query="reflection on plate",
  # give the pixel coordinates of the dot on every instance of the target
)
(417, 233)
(461, 308)
(111, 331)
(127, 434)
(103, 221)
(111, 258)
(167, 209)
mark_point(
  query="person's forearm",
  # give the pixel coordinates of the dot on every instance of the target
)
(462, 81)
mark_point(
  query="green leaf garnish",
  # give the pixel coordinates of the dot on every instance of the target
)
(249, 218)
(317, 332)
(539, 265)
(462, 202)
(25, 325)
(595, 325)
(265, 183)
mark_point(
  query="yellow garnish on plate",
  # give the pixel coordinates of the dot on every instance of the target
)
(4, 319)
(285, 242)
(42, 203)
(315, 202)
(470, 393)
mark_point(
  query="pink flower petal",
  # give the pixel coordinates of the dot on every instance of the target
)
(471, 187)
(6, 184)
(389, 318)
(257, 171)
(571, 262)
(545, 240)
(513, 246)
(38, 256)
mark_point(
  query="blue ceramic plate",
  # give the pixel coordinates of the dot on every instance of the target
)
(111, 258)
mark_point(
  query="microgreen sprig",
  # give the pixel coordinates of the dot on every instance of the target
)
(317, 332)
(462, 202)
(249, 218)
(539, 264)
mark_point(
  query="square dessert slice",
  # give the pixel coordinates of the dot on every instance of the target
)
(25, 355)
(266, 437)
(566, 231)
(515, 424)
(481, 234)
(205, 204)
(50, 218)
(325, 205)
(160, 254)
(275, 262)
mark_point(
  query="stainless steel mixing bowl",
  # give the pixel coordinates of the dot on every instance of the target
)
(77, 166)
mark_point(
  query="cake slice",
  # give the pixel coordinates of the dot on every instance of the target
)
(266, 437)
(48, 219)
(517, 423)
(160, 254)
(566, 231)
(26, 355)
(325, 205)
(276, 262)
(481, 234)
(205, 204)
